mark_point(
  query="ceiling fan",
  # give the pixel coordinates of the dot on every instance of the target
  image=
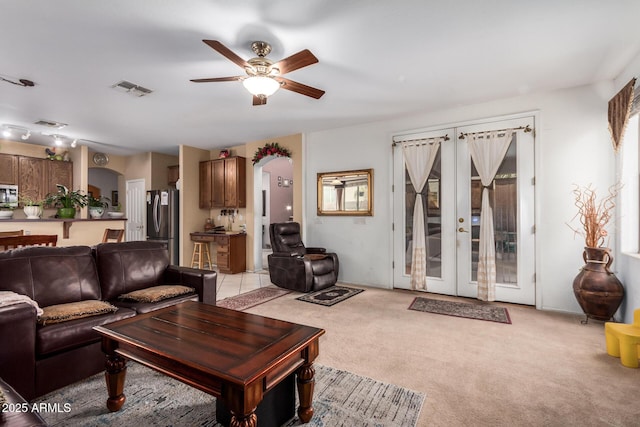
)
(264, 77)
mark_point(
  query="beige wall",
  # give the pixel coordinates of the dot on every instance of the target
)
(159, 173)
(294, 144)
(192, 218)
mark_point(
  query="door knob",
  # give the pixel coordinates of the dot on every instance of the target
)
(462, 230)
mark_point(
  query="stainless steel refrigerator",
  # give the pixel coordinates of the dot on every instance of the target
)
(163, 214)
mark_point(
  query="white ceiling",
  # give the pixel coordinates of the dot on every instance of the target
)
(378, 59)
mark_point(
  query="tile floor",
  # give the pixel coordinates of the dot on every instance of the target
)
(230, 285)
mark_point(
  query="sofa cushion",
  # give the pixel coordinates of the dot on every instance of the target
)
(74, 310)
(129, 266)
(50, 275)
(156, 293)
(71, 334)
(145, 307)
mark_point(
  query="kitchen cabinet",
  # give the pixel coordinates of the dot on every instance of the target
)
(58, 173)
(231, 250)
(38, 177)
(8, 169)
(173, 174)
(235, 188)
(32, 181)
(223, 183)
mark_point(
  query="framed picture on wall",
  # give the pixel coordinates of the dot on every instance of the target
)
(114, 198)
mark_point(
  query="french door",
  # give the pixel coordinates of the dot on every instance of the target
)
(451, 205)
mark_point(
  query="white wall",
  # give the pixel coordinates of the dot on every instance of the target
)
(628, 265)
(572, 146)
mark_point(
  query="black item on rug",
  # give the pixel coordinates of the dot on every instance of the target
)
(479, 311)
(330, 296)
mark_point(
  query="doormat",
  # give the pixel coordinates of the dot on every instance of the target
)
(490, 313)
(330, 296)
(252, 298)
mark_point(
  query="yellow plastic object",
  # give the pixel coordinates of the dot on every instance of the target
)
(623, 340)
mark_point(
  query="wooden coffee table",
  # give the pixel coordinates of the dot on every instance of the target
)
(235, 356)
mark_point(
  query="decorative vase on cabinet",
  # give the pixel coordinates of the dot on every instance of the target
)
(597, 289)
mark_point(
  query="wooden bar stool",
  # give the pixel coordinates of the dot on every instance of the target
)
(201, 256)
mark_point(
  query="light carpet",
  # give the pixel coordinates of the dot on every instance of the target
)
(478, 311)
(341, 399)
(252, 298)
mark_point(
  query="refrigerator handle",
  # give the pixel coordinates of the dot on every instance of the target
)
(156, 213)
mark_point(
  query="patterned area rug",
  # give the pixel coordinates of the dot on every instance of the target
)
(460, 309)
(252, 298)
(341, 399)
(330, 296)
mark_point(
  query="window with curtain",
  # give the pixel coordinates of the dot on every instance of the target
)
(629, 174)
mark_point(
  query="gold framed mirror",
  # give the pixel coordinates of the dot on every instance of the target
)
(347, 193)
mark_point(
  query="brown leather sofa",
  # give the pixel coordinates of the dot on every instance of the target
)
(296, 267)
(36, 359)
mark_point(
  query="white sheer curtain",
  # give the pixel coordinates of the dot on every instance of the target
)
(418, 158)
(487, 152)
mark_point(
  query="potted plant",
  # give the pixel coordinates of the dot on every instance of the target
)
(32, 207)
(97, 206)
(596, 288)
(66, 201)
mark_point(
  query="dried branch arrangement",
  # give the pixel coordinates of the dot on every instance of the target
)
(594, 215)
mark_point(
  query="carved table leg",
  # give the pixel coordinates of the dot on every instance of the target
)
(249, 421)
(116, 370)
(305, 391)
(242, 404)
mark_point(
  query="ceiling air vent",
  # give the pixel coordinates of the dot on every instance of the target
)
(50, 124)
(131, 88)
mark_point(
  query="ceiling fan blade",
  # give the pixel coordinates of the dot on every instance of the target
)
(217, 79)
(226, 52)
(300, 88)
(296, 61)
(259, 100)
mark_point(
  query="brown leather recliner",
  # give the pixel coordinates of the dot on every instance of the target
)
(296, 267)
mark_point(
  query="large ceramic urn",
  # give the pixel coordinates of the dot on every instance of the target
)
(597, 289)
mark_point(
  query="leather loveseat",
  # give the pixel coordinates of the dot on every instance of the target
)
(37, 358)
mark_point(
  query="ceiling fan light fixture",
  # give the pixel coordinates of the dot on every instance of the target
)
(261, 85)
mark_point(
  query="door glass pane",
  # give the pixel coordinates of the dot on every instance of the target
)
(431, 196)
(503, 198)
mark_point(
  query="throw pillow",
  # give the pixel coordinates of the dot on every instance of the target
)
(74, 310)
(157, 293)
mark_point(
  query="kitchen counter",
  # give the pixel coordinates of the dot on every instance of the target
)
(231, 248)
(21, 223)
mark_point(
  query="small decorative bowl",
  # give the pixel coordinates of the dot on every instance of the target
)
(6, 214)
(115, 214)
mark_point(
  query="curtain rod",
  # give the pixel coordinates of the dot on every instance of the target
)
(526, 128)
(445, 137)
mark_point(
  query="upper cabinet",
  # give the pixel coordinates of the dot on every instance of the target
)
(223, 183)
(38, 177)
(235, 186)
(8, 169)
(173, 174)
(58, 173)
